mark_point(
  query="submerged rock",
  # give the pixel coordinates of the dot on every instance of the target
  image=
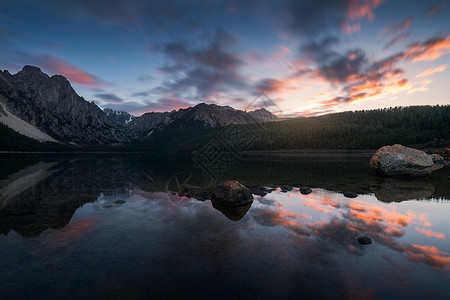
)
(364, 240)
(231, 193)
(305, 190)
(286, 188)
(119, 201)
(350, 195)
(398, 160)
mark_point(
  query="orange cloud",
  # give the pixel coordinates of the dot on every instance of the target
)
(429, 50)
(428, 254)
(431, 233)
(72, 73)
(430, 71)
(270, 85)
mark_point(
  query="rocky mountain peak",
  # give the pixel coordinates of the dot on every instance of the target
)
(52, 105)
(31, 70)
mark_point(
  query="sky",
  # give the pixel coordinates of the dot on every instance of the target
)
(293, 57)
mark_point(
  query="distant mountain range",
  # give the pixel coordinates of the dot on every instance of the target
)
(119, 116)
(48, 109)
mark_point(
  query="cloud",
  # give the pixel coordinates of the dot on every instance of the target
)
(144, 78)
(395, 33)
(430, 71)
(164, 104)
(357, 78)
(141, 94)
(109, 98)
(431, 233)
(431, 49)
(270, 85)
(435, 9)
(71, 72)
(201, 71)
(311, 18)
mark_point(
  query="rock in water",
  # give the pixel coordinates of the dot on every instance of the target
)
(286, 188)
(350, 195)
(305, 190)
(364, 240)
(399, 160)
(231, 193)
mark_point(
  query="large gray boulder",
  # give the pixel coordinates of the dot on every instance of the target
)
(231, 193)
(398, 160)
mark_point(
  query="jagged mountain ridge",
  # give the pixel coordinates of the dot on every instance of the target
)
(200, 116)
(51, 105)
(119, 116)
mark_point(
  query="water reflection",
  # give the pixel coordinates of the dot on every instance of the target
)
(394, 190)
(108, 228)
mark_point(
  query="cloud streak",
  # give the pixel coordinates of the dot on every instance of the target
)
(71, 72)
(430, 71)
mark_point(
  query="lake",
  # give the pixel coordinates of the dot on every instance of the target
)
(128, 227)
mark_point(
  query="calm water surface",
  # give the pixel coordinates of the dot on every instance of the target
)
(115, 227)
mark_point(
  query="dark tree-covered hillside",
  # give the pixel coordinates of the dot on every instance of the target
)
(429, 125)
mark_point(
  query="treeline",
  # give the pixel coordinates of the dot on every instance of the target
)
(427, 125)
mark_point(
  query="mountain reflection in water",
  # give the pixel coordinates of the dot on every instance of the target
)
(107, 227)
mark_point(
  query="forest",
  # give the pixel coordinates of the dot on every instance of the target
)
(428, 126)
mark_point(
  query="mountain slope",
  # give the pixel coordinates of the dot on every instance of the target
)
(51, 105)
(22, 127)
(118, 116)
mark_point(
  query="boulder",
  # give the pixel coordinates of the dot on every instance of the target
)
(231, 193)
(305, 190)
(398, 160)
(286, 188)
(350, 195)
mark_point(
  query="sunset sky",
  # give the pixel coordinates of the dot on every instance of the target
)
(309, 57)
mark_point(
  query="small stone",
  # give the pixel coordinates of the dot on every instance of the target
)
(305, 190)
(364, 240)
(107, 206)
(350, 195)
(119, 201)
(286, 188)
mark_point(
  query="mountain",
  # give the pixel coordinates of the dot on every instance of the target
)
(200, 116)
(263, 115)
(120, 117)
(52, 106)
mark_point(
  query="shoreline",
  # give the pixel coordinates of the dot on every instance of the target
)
(309, 152)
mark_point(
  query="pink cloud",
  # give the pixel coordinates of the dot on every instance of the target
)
(71, 72)
(357, 11)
